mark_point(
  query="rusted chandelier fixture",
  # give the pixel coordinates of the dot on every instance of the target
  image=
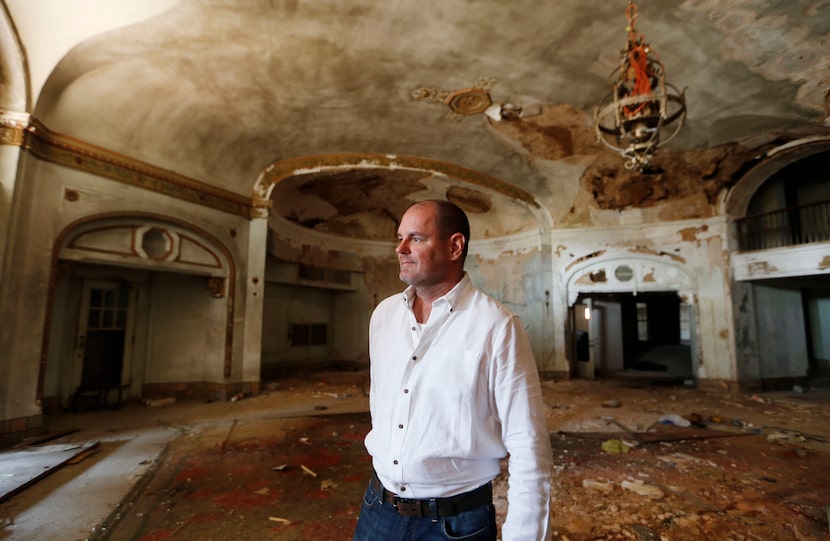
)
(642, 112)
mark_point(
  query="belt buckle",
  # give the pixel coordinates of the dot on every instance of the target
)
(409, 508)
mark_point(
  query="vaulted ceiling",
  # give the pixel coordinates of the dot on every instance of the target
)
(221, 90)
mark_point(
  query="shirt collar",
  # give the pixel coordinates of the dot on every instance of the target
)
(451, 298)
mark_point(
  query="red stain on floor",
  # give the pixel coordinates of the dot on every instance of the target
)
(306, 485)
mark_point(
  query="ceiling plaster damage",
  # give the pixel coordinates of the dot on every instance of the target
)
(367, 204)
(507, 89)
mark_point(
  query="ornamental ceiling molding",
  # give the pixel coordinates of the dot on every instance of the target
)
(66, 151)
(281, 170)
(465, 102)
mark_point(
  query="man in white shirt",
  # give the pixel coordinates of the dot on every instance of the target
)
(454, 389)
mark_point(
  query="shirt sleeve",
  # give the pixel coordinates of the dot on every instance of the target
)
(520, 408)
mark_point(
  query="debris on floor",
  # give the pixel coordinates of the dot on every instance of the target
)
(158, 402)
(22, 467)
(747, 466)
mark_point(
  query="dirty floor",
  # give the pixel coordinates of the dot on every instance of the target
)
(289, 464)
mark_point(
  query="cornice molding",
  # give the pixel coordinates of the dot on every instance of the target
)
(26, 132)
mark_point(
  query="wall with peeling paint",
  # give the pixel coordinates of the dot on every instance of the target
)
(510, 270)
(655, 257)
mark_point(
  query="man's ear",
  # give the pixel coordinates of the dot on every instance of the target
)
(457, 242)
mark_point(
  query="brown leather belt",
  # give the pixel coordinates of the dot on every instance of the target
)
(435, 507)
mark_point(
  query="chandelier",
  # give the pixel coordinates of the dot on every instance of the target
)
(642, 112)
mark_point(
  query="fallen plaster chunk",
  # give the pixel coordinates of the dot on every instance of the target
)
(156, 402)
(693, 459)
(642, 489)
(280, 520)
(598, 486)
(308, 470)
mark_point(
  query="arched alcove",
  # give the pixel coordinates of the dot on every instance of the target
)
(128, 292)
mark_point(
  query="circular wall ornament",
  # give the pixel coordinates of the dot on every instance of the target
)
(624, 273)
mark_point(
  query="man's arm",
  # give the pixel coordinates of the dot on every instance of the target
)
(518, 397)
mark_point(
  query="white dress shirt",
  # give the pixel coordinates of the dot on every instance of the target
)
(451, 397)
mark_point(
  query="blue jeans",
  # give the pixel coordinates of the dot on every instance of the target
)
(379, 521)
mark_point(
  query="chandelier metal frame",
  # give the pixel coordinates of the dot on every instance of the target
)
(642, 112)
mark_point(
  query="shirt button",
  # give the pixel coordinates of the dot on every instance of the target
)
(403, 489)
(413, 328)
(395, 462)
(414, 357)
(400, 426)
(406, 391)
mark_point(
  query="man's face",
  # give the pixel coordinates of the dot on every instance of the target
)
(424, 257)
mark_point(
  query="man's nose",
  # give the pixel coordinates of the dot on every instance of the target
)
(402, 247)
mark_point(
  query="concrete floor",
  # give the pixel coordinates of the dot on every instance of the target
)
(290, 464)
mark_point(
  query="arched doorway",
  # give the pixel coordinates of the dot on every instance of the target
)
(632, 317)
(137, 303)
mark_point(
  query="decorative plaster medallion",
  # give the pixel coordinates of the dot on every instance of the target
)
(470, 101)
(624, 273)
(466, 102)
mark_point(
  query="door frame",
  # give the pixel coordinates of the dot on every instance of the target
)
(79, 345)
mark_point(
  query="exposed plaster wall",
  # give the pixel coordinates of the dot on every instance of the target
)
(516, 279)
(804, 260)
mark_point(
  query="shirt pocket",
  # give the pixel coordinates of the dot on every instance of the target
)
(449, 404)
(458, 372)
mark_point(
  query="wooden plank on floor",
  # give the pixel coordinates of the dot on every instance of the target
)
(23, 467)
